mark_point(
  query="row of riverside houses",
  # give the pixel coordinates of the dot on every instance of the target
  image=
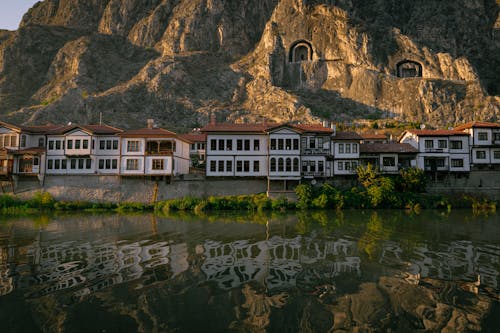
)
(287, 153)
(91, 149)
(282, 153)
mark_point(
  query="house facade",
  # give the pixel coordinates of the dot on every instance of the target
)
(197, 149)
(236, 150)
(388, 158)
(484, 141)
(153, 152)
(316, 150)
(23, 149)
(83, 149)
(439, 150)
(345, 147)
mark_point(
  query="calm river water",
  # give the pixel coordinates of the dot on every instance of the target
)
(306, 272)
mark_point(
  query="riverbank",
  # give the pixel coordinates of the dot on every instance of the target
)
(115, 189)
(324, 198)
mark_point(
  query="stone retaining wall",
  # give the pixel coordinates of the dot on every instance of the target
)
(120, 189)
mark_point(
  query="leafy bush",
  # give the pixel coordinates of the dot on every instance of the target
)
(412, 180)
(304, 194)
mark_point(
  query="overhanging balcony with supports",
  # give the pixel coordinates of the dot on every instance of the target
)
(160, 148)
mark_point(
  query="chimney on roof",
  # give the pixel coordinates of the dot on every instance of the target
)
(326, 124)
(334, 128)
(213, 120)
(151, 123)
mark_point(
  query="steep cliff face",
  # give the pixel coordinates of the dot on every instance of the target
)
(178, 60)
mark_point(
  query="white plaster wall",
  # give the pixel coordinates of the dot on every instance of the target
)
(263, 142)
(106, 152)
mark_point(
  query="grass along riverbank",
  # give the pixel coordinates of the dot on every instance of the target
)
(403, 191)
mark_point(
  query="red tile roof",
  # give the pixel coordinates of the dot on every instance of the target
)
(370, 136)
(39, 129)
(227, 127)
(436, 133)
(400, 148)
(347, 136)
(30, 129)
(30, 151)
(194, 137)
(92, 129)
(316, 128)
(148, 133)
(477, 124)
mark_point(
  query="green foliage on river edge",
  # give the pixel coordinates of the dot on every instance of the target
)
(404, 191)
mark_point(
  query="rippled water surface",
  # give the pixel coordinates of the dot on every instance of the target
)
(308, 272)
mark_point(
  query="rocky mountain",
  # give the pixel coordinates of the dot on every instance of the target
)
(177, 61)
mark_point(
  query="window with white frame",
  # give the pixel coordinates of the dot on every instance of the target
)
(481, 154)
(213, 166)
(256, 166)
(455, 144)
(256, 145)
(273, 164)
(69, 144)
(132, 163)
(496, 154)
(482, 136)
(457, 163)
(347, 148)
(340, 165)
(133, 146)
(158, 164)
(429, 143)
(273, 144)
(229, 166)
(221, 166)
(443, 144)
(389, 161)
(355, 148)
(108, 164)
(341, 148)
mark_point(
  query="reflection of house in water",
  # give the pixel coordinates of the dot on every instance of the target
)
(92, 267)
(277, 262)
(459, 260)
(6, 280)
